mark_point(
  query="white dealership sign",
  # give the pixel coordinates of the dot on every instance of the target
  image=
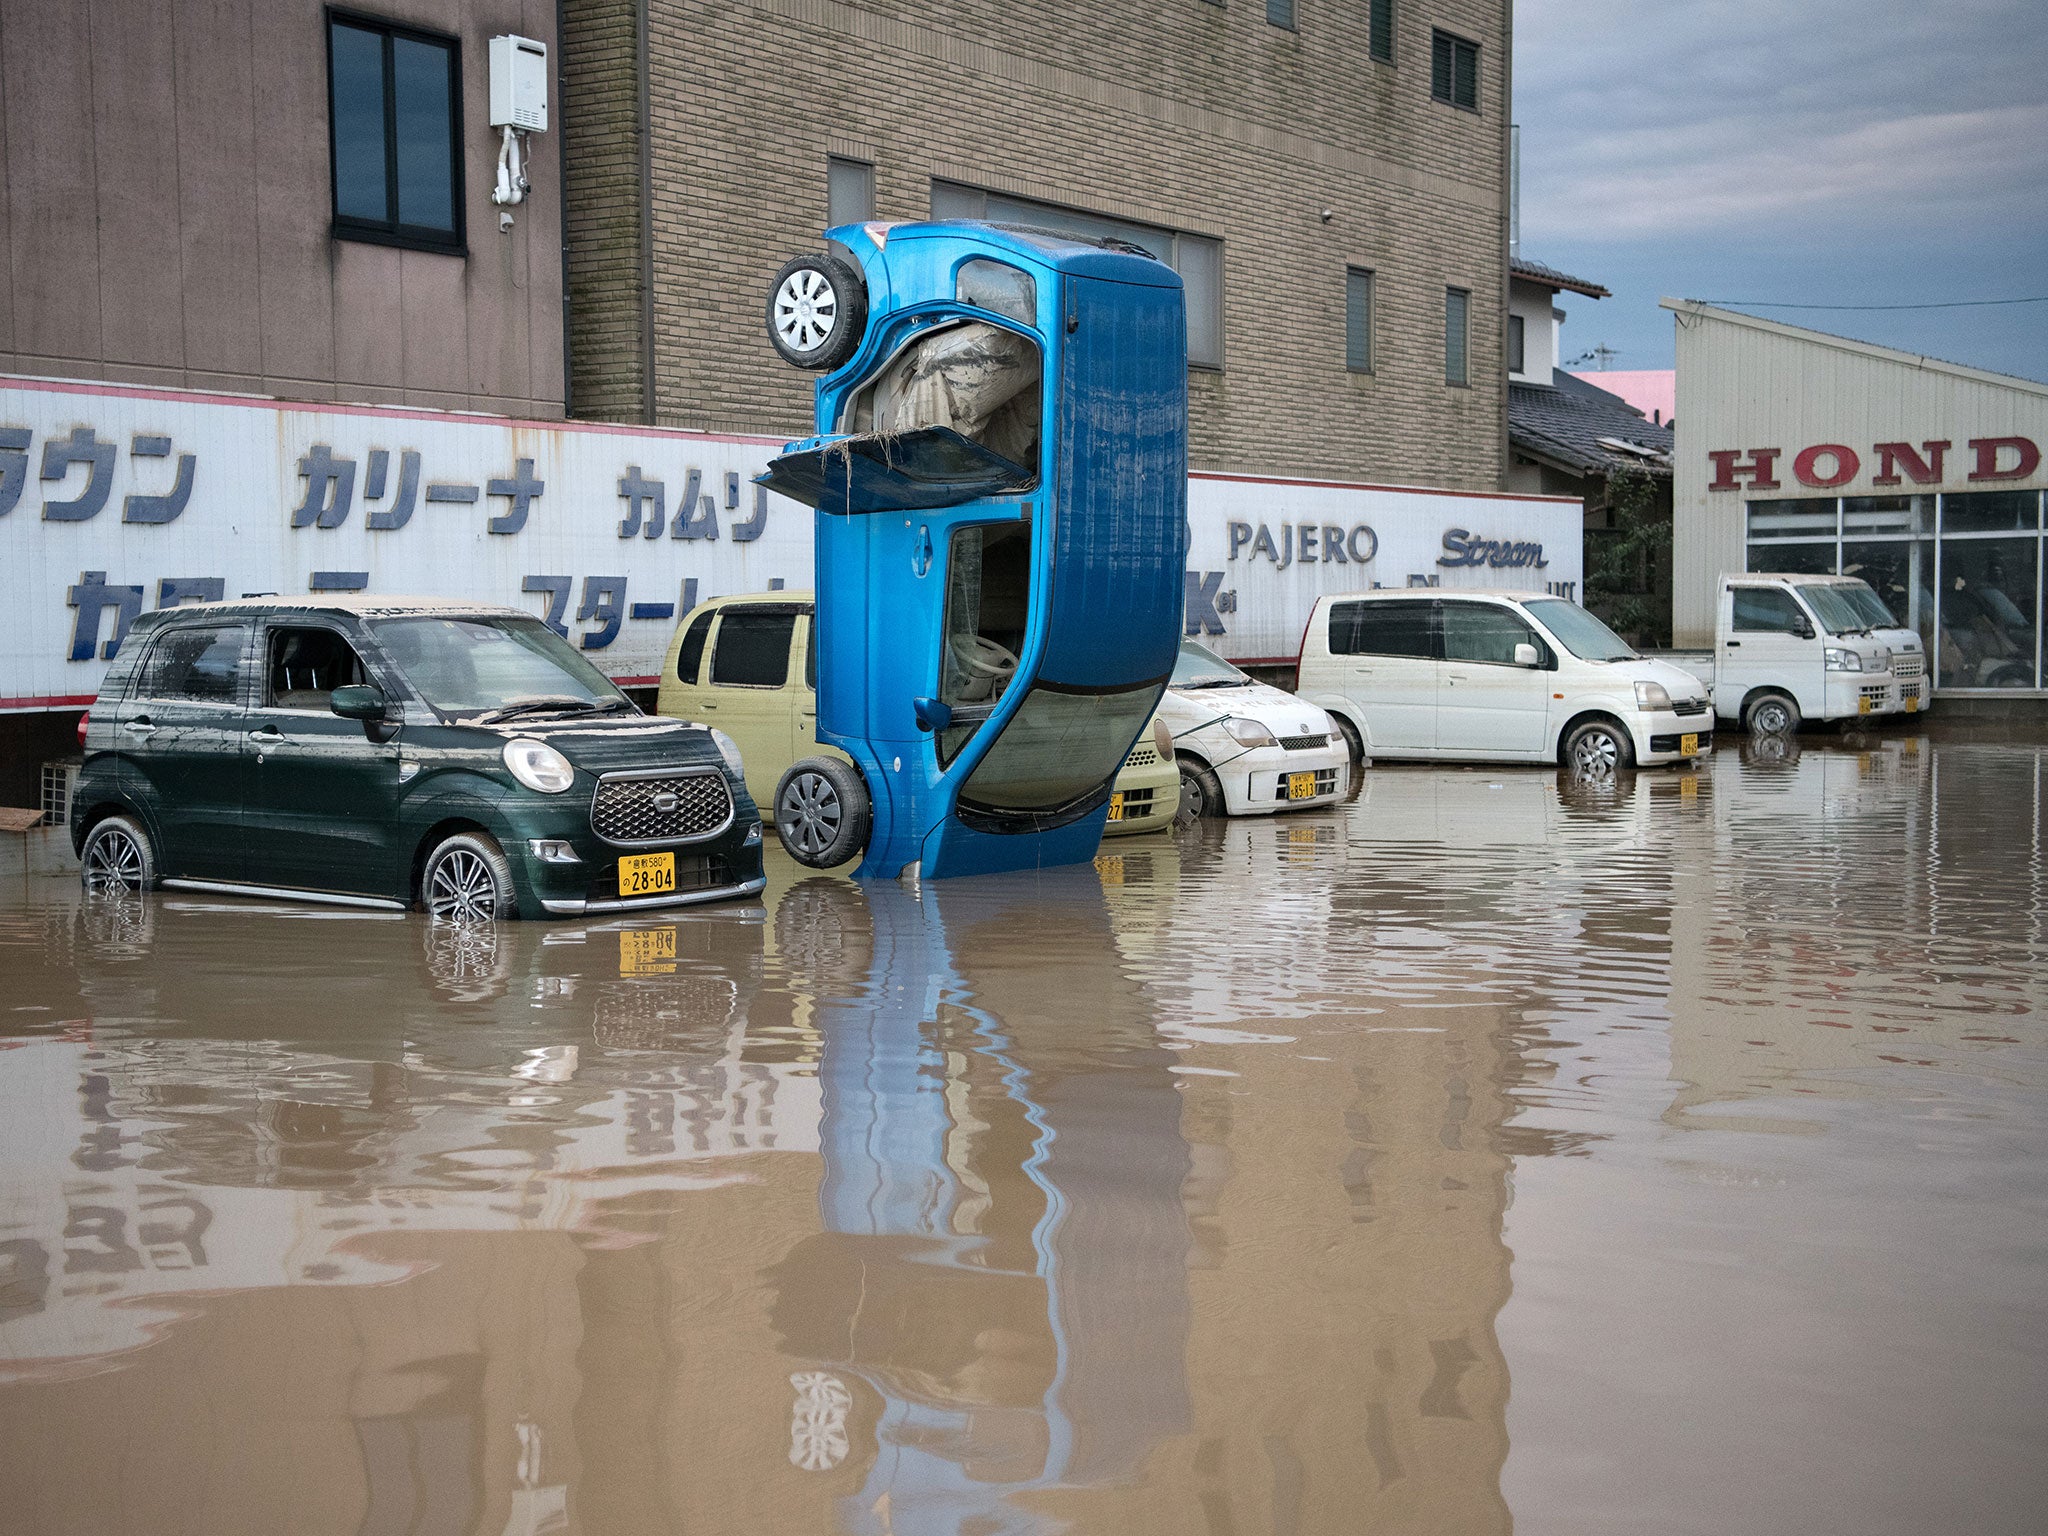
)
(1261, 551)
(116, 501)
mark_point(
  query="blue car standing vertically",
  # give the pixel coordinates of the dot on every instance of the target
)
(1000, 474)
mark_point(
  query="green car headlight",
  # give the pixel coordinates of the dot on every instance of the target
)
(538, 765)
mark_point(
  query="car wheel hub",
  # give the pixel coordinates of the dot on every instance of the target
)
(810, 813)
(113, 863)
(806, 309)
(462, 890)
(1597, 752)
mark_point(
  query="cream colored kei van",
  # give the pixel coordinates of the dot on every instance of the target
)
(749, 666)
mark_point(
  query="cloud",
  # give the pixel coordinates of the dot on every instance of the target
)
(1819, 119)
(1954, 168)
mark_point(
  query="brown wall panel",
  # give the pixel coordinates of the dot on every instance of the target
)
(135, 121)
(53, 220)
(217, 189)
(369, 316)
(297, 298)
(434, 322)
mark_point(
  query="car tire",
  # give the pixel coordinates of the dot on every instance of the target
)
(823, 814)
(1598, 748)
(817, 312)
(1201, 792)
(1771, 714)
(117, 857)
(1353, 743)
(467, 879)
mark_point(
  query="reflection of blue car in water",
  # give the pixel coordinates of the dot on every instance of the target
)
(1001, 481)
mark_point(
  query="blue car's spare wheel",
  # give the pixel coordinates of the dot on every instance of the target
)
(817, 311)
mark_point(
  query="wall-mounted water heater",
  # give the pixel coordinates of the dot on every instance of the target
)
(519, 106)
(519, 84)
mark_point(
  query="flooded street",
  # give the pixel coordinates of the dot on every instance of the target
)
(1487, 1153)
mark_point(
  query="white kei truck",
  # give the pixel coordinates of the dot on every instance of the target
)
(1791, 648)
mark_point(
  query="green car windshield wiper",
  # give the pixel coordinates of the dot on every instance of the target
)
(529, 707)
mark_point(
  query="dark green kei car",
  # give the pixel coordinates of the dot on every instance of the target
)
(387, 752)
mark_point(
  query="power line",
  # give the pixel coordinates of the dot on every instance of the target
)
(1952, 304)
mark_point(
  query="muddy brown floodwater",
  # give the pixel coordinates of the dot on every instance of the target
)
(1486, 1153)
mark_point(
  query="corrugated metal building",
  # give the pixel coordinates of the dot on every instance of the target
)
(1801, 451)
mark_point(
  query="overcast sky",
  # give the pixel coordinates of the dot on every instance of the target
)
(1817, 151)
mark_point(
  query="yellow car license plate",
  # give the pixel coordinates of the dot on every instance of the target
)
(1301, 786)
(647, 874)
(1689, 745)
(1863, 706)
(1912, 702)
(1116, 805)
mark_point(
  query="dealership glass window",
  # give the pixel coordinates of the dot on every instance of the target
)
(1382, 46)
(1991, 512)
(394, 102)
(1457, 304)
(1990, 590)
(1357, 320)
(1964, 570)
(1197, 258)
(849, 191)
(1454, 70)
(1794, 559)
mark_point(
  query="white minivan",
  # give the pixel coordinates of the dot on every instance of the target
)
(1515, 677)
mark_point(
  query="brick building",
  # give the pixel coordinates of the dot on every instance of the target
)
(1330, 179)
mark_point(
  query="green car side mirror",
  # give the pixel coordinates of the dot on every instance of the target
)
(358, 701)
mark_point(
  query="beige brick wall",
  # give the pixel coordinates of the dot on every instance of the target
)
(601, 215)
(1175, 112)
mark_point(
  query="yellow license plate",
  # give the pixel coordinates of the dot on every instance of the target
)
(1116, 805)
(1301, 786)
(1863, 706)
(647, 874)
(1689, 744)
(1912, 702)
(644, 951)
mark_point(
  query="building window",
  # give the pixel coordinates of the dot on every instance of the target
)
(849, 191)
(1515, 355)
(1280, 13)
(1197, 258)
(394, 117)
(1357, 320)
(1454, 71)
(1457, 304)
(1383, 30)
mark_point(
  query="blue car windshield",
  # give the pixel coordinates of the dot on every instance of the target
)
(1058, 751)
(494, 667)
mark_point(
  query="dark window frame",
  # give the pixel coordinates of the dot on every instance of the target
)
(1289, 20)
(744, 613)
(1517, 345)
(1358, 343)
(852, 162)
(1462, 379)
(1380, 30)
(410, 237)
(1444, 51)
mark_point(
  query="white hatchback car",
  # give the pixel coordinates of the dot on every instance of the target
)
(1246, 749)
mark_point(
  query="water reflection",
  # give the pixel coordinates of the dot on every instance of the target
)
(1177, 1195)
